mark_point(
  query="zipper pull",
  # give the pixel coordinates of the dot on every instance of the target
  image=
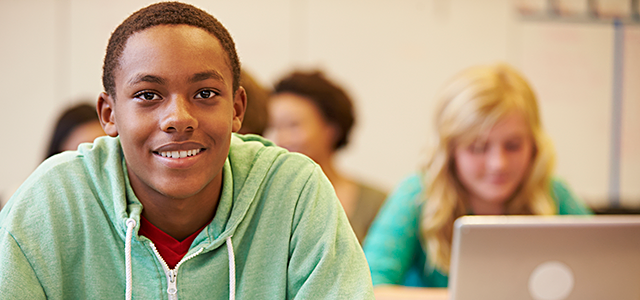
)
(172, 288)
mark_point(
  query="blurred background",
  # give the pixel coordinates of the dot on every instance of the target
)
(390, 55)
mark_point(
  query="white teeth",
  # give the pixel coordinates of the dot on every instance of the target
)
(180, 154)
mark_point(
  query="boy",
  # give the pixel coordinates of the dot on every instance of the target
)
(173, 204)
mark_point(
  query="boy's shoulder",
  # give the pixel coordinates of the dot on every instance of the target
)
(254, 161)
(251, 151)
(97, 157)
(249, 145)
(69, 177)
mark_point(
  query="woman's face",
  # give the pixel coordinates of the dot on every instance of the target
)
(296, 124)
(491, 170)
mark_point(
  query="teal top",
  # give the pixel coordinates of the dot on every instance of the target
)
(62, 234)
(393, 246)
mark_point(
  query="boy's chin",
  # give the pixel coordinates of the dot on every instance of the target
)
(170, 186)
(176, 190)
(180, 193)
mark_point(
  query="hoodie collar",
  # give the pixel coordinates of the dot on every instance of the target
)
(237, 195)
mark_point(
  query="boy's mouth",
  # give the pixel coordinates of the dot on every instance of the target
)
(179, 153)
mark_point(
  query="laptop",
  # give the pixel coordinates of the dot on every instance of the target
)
(545, 258)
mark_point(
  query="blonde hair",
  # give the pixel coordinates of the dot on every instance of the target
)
(470, 104)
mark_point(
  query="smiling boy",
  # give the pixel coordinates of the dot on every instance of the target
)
(173, 204)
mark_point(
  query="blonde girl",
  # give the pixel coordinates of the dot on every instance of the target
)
(489, 155)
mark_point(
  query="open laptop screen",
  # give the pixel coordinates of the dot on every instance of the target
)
(545, 257)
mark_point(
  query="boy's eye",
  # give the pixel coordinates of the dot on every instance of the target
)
(147, 96)
(205, 94)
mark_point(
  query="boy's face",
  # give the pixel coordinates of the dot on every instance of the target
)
(174, 110)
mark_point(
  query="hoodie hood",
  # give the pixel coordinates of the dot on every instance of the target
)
(241, 184)
(244, 172)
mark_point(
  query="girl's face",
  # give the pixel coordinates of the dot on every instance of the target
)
(491, 170)
(296, 124)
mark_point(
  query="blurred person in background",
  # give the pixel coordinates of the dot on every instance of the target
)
(311, 115)
(77, 124)
(256, 116)
(489, 156)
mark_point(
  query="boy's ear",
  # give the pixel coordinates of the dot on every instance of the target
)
(106, 114)
(239, 107)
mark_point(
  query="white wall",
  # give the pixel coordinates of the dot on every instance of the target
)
(27, 83)
(391, 55)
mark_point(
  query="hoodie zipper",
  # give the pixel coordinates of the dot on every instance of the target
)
(172, 274)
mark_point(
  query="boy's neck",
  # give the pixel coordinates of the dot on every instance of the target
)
(180, 218)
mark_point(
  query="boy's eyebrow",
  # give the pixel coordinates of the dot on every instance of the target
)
(146, 78)
(159, 80)
(207, 75)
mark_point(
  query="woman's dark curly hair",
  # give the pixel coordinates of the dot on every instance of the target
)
(332, 101)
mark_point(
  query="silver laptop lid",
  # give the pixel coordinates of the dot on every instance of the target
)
(545, 257)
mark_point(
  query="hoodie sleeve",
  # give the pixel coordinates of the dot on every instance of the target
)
(326, 260)
(17, 278)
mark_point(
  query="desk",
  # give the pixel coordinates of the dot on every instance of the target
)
(391, 292)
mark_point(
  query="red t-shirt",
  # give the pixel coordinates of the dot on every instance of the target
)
(170, 249)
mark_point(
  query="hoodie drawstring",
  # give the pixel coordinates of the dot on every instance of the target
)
(131, 223)
(232, 270)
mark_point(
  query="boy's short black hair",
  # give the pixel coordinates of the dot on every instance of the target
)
(332, 101)
(165, 13)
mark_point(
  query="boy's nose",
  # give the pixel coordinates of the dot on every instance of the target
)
(179, 116)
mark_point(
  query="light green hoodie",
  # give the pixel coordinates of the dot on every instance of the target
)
(62, 234)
